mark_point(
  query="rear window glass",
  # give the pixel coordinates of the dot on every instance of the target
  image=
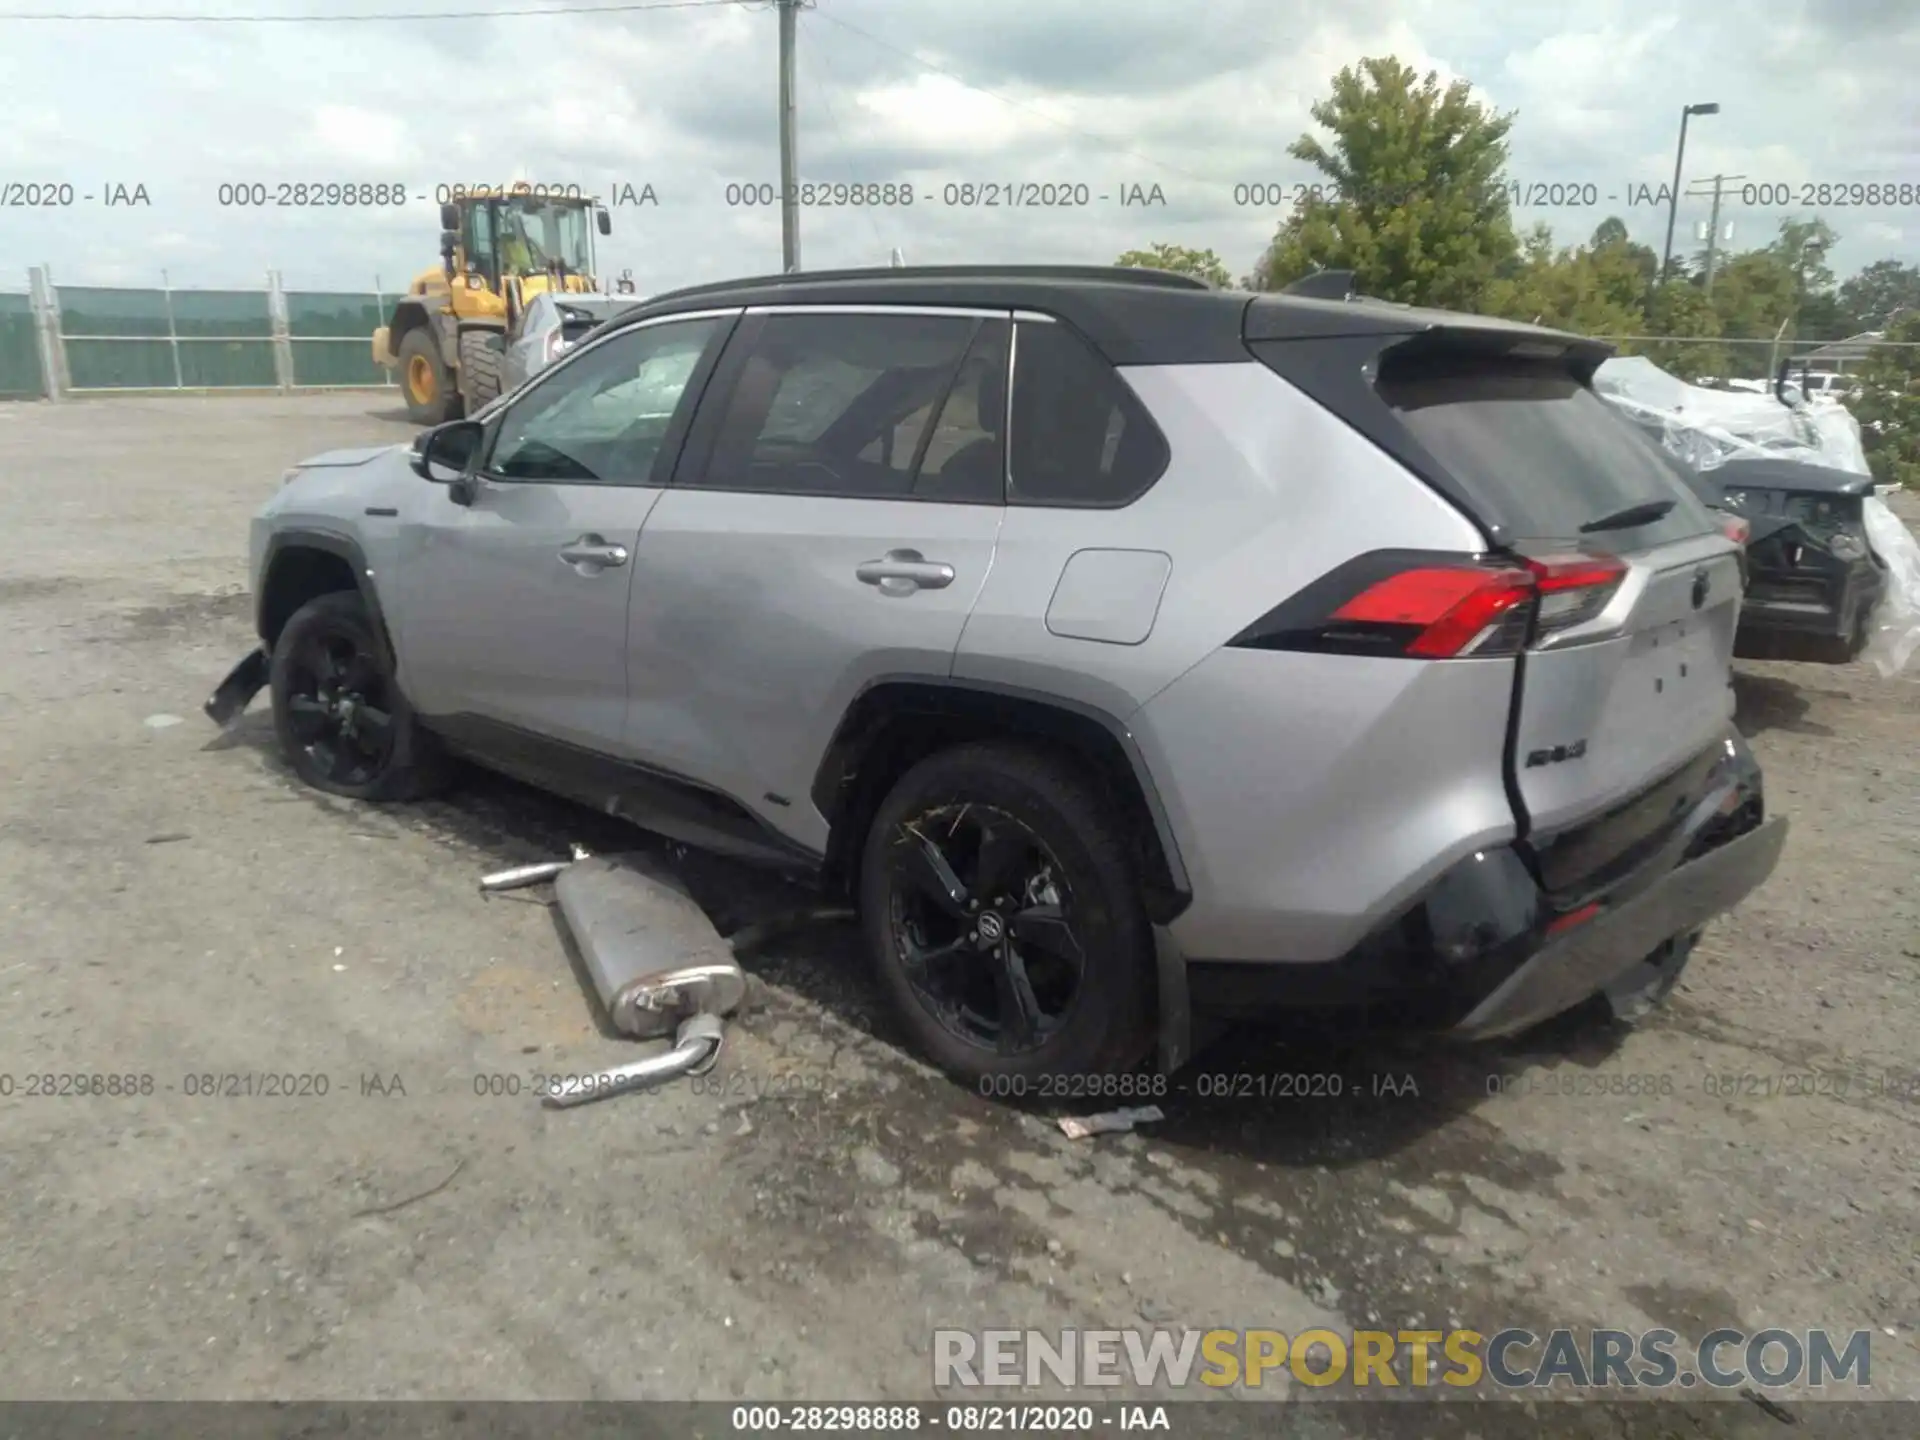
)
(1539, 452)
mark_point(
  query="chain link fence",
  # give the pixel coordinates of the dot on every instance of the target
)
(60, 340)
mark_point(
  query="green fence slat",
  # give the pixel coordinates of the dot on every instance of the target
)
(225, 339)
(336, 362)
(97, 310)
(227, 363)
(121, 364)
(320, 312)
(20, 373)
(224, 313)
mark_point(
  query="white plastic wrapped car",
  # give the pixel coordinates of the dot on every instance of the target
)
(1833, 573)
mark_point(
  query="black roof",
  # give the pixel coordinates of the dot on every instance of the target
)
(1133, 316)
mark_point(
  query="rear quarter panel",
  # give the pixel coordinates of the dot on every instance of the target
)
(1307, 793)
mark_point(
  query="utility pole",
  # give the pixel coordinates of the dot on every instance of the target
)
(1713, 225)
(789, 161)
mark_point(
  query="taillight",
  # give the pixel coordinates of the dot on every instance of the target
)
(1735, 527)
(1427, 606)
(1574, 588)
(1439, 612)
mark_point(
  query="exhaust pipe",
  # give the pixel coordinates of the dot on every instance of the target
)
(659, 967)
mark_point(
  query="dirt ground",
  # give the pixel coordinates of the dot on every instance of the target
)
(795, 1227)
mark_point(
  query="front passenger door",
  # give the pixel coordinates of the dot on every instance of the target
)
(515, 608)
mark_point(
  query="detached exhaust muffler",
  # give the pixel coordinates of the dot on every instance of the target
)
(658, 964)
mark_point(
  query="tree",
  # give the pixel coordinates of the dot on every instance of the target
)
(1888, 408)
(1611, 234)
(1413, 201)
(1871, 299)
(1593, 290)
(1182, 260)
(1752, 294)
(1681, 309)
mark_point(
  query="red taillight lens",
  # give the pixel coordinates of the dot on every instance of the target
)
(1734, 527)
(1436, 605)
(1574, 588)
(1451, 608)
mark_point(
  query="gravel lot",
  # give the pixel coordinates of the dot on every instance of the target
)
(175, 906)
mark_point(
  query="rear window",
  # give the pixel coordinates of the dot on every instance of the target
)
(1540, 453)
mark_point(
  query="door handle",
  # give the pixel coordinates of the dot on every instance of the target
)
(901, 572)
(595, 551)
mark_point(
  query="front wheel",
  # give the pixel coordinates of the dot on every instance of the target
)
(1003, 914)
(342, 722)
(425, 382)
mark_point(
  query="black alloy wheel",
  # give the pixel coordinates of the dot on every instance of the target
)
(1001, 906)
(985, 927)
(338, 707)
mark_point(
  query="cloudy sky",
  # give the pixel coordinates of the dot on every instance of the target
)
(1195, 98)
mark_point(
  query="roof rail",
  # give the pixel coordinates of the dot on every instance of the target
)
(1099, 274)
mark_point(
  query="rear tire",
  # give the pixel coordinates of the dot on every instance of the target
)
(342, 723)
(480, 367)
(1068, 988)
(425, 382)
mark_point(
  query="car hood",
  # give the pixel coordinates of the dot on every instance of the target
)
(358, 455)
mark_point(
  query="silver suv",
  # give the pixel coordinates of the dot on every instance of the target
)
(1130, 651)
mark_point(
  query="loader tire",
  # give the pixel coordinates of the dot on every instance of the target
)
(480, 364)
(425, 382)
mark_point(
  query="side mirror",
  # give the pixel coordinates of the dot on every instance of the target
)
(445, 453)
(603, 222)
(449, 217)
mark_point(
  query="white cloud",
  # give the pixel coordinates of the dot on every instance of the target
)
(1151, 91)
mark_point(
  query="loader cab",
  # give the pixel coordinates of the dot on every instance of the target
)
(518, 244)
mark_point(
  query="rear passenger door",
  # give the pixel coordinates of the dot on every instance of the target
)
(831, 522)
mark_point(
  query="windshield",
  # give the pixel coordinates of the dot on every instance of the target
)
(534, 234)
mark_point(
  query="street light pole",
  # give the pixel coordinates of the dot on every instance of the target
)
(1673, 199)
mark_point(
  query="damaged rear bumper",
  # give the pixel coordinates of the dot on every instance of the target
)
(1487, 951)
(232, 695)
(1574, 965)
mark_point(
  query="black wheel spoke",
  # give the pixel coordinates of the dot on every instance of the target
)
(1021, 1018)
(994, 957)
(926, 867)
(924, 957)
(1045, 927)
(359, 675)
(366, 718)
(1002, 847)
(324, 664)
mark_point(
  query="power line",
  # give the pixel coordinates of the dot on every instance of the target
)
(833, 118)
(607, 9)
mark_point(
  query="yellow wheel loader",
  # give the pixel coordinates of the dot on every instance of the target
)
(447, 338)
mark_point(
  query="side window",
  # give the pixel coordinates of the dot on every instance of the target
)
(479, 238)
(833, 404)
(601, 419)
(966, 458)
(1080, 436)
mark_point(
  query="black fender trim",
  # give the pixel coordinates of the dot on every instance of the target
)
(843, 751)
(342, 547)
